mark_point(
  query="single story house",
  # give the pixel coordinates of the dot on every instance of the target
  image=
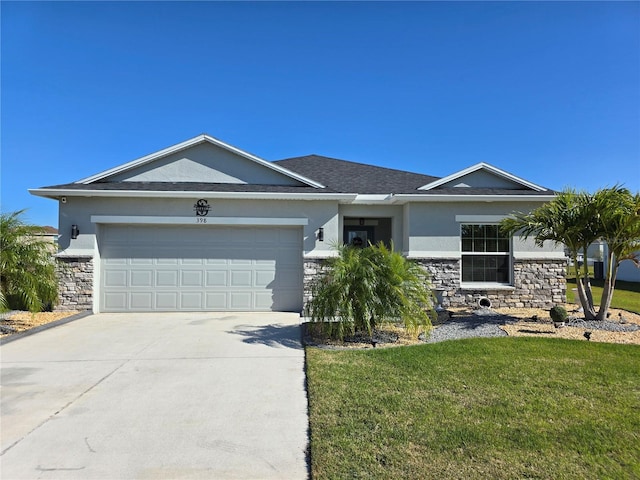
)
(205, 226)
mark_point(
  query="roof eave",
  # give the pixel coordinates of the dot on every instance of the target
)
(56, 193)
(405, 198)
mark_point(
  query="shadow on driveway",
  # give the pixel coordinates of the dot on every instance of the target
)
(286, 336)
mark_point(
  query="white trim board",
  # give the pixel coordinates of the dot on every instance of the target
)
(480, 218)
(203, 221)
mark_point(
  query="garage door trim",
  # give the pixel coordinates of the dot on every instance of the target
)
(148, 220)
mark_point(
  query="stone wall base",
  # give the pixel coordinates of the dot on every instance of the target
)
(537, 284)
(75, 283)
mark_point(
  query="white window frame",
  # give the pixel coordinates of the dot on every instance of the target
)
(470, 221)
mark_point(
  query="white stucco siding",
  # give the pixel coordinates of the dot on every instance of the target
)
(482, 179)
(205, 163)
(80, 210)
(434, 229)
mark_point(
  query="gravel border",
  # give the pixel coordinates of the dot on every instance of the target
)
(483, 324)
(46, 326)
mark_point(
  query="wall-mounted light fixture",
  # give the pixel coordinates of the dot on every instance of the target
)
(321, 234)
(361, 221)
(75, 231)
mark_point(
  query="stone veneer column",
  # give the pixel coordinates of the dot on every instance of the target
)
(313, 267)
(75, 283)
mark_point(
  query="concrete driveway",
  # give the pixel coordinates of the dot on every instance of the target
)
(175, 395)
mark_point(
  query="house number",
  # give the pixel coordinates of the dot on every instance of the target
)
(201, 220)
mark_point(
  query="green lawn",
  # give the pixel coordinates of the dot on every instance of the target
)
(474, 409)
(626, 295)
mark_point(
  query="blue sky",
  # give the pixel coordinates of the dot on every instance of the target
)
(549, 91)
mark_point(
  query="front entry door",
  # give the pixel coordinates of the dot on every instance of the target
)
(359, 236)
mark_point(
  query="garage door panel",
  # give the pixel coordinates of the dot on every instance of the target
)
(116, 278)
(191, 278)
(264, 279)
(201, 268)
(266, 236)
(241, 278)
(167, 278)
(115, 301)
(289, 278)
(216, 301)
(191, 300)
(216, 278)
(263, 301)
(240, 301)
(141, 278)
(141, 301)
(166, 300)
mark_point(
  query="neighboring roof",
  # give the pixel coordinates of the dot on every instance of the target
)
(345, 176)
(488, 168)
(204, 138)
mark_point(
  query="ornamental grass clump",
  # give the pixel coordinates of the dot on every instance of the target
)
(363, 288)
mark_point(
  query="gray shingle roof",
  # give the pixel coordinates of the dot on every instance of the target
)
(339, 176)
(352, 177)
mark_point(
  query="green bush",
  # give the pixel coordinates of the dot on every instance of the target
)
(365, 287)
(558, 314)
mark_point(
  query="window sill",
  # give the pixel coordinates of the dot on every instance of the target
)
(486, 286)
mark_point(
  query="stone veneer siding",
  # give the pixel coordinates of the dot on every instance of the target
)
(312, 268)
(537, 284)
(75, 283)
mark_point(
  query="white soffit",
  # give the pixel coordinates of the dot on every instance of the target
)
(488, 168)
(190, 143)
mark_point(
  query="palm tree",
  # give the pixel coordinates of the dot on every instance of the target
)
(577, 219)
(619, 221)
(365, 287)
(27, 271)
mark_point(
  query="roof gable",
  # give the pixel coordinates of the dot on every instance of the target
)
(202, 159)
(482, 175)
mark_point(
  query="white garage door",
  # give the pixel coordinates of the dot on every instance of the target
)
(200, 268)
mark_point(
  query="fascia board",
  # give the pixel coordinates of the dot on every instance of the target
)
(189, 143)
(471, 198)
(482, 166)
(56, 193)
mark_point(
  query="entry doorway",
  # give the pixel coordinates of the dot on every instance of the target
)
(359, 236)
(364, 231)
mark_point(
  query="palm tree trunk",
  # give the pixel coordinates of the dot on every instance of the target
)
(584, 293)
(609, 285)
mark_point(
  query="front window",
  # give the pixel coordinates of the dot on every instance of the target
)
(486, 254)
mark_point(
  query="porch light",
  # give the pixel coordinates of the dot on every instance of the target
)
(321, 234)
(74, 231)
